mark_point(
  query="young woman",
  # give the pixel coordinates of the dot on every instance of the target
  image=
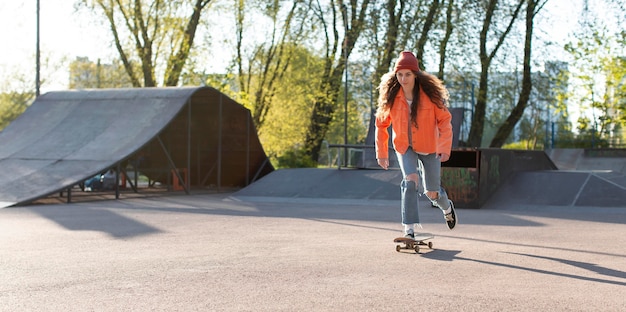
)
(414, 104)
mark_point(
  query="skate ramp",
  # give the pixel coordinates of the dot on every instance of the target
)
(65, 137)
(301, 183)
(549, 187)
(562, 188)
(500, 178)
(589, 159)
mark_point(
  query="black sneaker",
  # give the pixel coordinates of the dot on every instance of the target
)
(450, 217)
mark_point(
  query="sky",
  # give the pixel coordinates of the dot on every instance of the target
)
(65, 35)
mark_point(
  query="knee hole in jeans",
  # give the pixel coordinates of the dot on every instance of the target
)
(412, 177)
(432, 195)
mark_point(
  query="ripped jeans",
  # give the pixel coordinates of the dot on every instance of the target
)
(428, 167)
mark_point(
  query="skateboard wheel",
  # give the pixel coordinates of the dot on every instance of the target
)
(430, 245)
(417, 249)
(398, 248)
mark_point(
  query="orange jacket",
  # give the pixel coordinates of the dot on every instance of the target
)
(433, 135)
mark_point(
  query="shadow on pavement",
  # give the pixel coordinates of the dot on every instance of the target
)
(582, 265)
(82, 218)
(452, 255)
(108, 216)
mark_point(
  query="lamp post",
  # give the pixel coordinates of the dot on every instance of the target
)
(37, 56)
(345, 113)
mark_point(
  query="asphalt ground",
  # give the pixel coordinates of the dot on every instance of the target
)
(219, 252)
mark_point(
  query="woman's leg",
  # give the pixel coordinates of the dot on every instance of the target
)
(431, 178)
(431, 175)
(408, 187)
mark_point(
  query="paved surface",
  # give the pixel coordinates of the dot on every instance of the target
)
(220, 253)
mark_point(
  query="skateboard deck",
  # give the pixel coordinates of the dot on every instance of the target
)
(419, 240)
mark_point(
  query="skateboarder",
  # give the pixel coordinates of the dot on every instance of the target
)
(414, 103)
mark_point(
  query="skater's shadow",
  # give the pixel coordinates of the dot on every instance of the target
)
(452, 255)
(441, 255)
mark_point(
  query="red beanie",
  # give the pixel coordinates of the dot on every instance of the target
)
(407, 61)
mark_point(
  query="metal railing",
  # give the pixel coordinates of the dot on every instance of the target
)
(345, 161)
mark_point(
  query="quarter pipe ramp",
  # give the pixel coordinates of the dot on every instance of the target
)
(65, 137)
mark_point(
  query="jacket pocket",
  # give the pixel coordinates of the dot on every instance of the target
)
(426, 117)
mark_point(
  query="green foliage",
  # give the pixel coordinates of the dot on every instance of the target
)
(284, 129)
(296, 158)
(600, 85)
(523, 145)
(288, 115)
(13, 104)
(357, 126)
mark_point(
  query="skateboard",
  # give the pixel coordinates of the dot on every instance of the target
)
(415, 243)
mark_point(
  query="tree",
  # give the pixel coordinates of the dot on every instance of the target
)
(146, 35)
(393, 22)
(449, 29)
(284, 125)
(426, 27)
(359, 105)
(598, 82)
(532, 8)
(486, 57)
(269, 60)
(388, 26)
(337, 50)
(616, 100)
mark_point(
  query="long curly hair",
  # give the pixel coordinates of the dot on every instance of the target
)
(389, 87)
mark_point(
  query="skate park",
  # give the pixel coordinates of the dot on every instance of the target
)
(314, 239)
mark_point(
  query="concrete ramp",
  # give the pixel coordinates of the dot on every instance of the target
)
(589, 159)
(563, 188)
(550, 187)
(65, 137)
(327, 184)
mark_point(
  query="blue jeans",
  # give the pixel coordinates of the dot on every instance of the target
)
(428, 167)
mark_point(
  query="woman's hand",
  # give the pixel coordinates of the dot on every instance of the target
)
(443, 157)
(383, 162)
